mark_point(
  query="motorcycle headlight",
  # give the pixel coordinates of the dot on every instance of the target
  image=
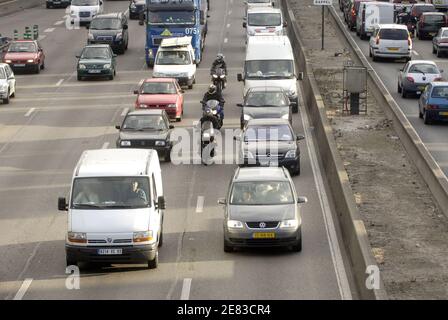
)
(173, 105)
(82, 66)
(289, 224)
(143, 236)
(125, 143)
(160, 143)
(214, 112)
(215, 76)
(77, 237)
(233, 224)
(291, 154)
(247, 117)
(106, 66)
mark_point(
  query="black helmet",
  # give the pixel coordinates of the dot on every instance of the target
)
(212, 89)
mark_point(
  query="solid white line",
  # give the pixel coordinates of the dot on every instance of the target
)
(59, 82)
(105, 145)
(49, 30)
(200, 204)
(415, 52)
(30, 112)
(23, 288)
(186, 287)
(58, 23)
(42, 37)
(125, 111)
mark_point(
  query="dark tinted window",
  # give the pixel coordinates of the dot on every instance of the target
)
(428, 8)
(434, 18)
(393, 34)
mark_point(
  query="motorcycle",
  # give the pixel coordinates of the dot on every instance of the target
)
(213, 112)
(207, 141)
(219, 79)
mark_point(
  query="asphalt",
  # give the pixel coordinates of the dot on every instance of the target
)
(54, 118)
(433, 136)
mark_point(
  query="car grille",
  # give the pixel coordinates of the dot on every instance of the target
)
(157, 106)
(84, 14)
(104, 38)
(94, 66)
(268, 224)
(262, 242)
(142, 143)
(18, 61)
(101, 241)
(270, 157)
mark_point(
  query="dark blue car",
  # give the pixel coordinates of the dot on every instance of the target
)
(433, 103)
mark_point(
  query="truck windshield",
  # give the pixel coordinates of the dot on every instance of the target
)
(173, 57)
(171, 17)
(269, 69)
(110, 193)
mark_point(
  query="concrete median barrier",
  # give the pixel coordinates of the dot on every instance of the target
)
(352, 226)
(11, 6)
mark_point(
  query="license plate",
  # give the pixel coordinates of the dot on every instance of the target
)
(19, 65)
(110, 251)
(94, 71)
(264, 235)
(393, 49)
(443, 113)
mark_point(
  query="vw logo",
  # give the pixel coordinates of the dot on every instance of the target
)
(109, 240)
(262, 225)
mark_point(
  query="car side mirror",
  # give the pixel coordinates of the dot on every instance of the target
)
(125, 27)
(161, 204)
(62, 204)
(78, 56)
(285, 24)
(118, 127)
(239, 77)
(222, 201)
(300, 137)
(302, 199)
(300, 76)
(239, 105)
(244, 24)
(135, 91)
(171, 126)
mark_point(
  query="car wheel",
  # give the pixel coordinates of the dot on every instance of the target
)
(433, 49)
(13, 95)
(168, 156)
(370, 53)
(420, 114)
(42, 67)
(426, 119)
(398, 88)
(227, 247)
(297, 171)
(404, 93)
(37, 70)
(298, 246)
(160, 238)
(154, 263)
(6, 100)
(190, 86)
(438, 53)
(111, 77)
(373, 57)
(79, 78)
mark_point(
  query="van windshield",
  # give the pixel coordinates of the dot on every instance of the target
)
(173, 58)
(264, 19)
(110, 193)
(261, 193)
(269, 69)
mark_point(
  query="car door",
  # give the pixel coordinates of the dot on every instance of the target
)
(124, 23)
(40, 54)
(11, 78)
(402, 73)
(436, 38)
(180, 94)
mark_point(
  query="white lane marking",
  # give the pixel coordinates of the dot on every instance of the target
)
(200, 204)
(105, 145)
(125, 110)
(49, 30)
(126, 12)
(59, 82)
(186, 287)
(415, 52)
(58, 23)
(23, 288)
(30, 112)
(230, 12)
(336, 256)
(41, 37)
(228, 25)
(226, 40)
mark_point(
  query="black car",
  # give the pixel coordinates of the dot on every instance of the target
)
(270, 142)
(146, 129)
(265, 102)
(57, 3)
(429, 24)
(136, 9)
(111, 29)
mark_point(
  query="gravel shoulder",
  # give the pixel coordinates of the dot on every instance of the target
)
(407, 232)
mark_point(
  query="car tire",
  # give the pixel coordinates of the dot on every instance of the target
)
(160, 238)
(14, 93)
(37, 70)
(298, 246)
(426, 119)
(190, 86)
(438, 53)
(227, 248)
(420, 114)
(42, 67)
(398, 88)
(79, 78)
(433, 49)
(404, 93)
(168, 156)
(370, 53)
(6, 100)
(374, 58)
(154, 263)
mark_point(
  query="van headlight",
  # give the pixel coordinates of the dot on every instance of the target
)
(125, 143)
(291, 154)
(81, 66)
(289, 224)
(77, 237)
(234, 224)
(106, 66)
(160, 143)
(143, 236)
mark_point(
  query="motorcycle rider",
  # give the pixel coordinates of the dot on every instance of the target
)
(213, 94)
(219, 63)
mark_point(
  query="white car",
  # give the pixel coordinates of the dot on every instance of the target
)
(175, 59)
(83, 11)
(391, 41)
(415, 75)
(264, 21)
(7, 83)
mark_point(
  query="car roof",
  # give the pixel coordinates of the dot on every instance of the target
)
(24, 40)
(260, 174)
(263, 10)
(421, 62)
(109, 15)
(267, 121)
(439, 83)
(423, 5)
(159, 80)
(157, 112)
(392, 26)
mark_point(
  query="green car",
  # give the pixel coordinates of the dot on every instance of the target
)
(97, 60)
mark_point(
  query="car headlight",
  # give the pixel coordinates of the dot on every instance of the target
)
(251, 33)
(248, 155)
(119, 35)
(289, 224)
(285, 116)
(106, 66)
(133, 6)
(247, 117)
(81, 66)
(125, 143)
(291, 154)
(292, 92)
(143, 236)
(172, 105)
(90, 36)
(78, 237)
(160, 143)
(233, 224)
(30, 60)
(142, 105)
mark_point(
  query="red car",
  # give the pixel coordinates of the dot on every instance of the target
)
(25, 55)
(161, 93)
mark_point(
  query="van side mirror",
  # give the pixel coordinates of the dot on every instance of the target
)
(239, 77)
(62, 204)
(239, 105)
(222, 201)
(118, 127)
(244, 24)
(300, 137)
(302, 199)
(300, 76)
(161, 203)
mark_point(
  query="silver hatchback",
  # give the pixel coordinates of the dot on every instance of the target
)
(262, 210)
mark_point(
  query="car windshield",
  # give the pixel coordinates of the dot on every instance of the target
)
(264, 19)
(393, 34)
(2, 74)
(423, 68)
(84, 2)
(440, 92)
(95, 53)
(171, 17)
(445, 33)
(268, 133)
(267, 98)
(110, 193)
(105, 24)
(158, 88)
(144, 122)
(22, 47)
(261, 193)
(173, 57)
(269, 69)
(259, 1)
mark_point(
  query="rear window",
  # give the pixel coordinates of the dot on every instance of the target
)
(440, 92)
(434, 18)
(393, 34)
(424, 68)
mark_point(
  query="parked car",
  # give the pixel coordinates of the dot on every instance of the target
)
(161, 93)
(7, 83)
(270, 142)
(265, 102)
(433, 103)
(415, 75)
(440, 42)
(429, 24)
(111, 29)
(136, 9)
(96, 60)
(25, 55)
(262, 210)
(390, 41)
(57, 3)
(149, 129)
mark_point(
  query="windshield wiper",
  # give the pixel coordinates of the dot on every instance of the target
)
(87, 205)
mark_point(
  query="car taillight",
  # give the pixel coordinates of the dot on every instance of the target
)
(410, 79)
(432, 106)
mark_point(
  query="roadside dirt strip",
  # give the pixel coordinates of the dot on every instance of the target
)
(406, 230)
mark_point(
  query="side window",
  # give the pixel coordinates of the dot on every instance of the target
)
(406, 67)
(154, 188)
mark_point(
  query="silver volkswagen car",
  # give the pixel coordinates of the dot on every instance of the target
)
(262, 210)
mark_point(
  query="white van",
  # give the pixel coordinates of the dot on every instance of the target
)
(83, 11)
(115, 208)
(264, 21)
(270, 63)
(257, 4)
(175, 59)
(371, 14)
